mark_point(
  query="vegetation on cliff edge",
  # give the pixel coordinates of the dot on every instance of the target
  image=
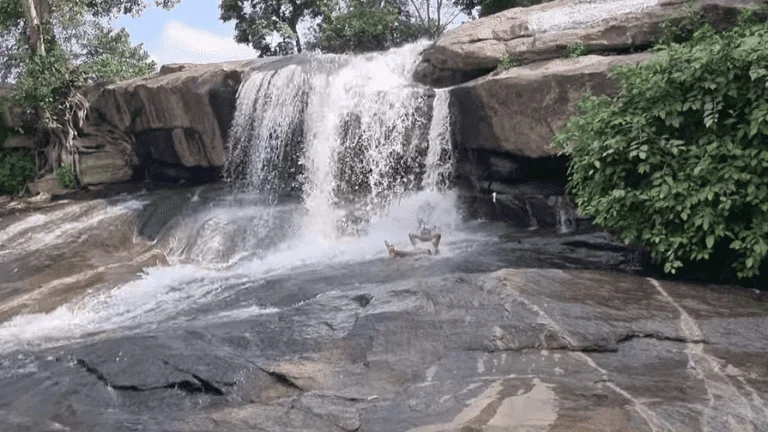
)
(678, 160)
(49, 49)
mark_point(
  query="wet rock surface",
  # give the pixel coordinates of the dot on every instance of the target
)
(474, 341)
(526, 330)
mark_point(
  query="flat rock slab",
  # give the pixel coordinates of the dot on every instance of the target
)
(515, 349)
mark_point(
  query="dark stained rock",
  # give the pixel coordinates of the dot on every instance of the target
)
(180, 116)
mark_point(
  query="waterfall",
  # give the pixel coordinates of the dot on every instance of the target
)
(439, 156)
(267, 124)
(351, 133)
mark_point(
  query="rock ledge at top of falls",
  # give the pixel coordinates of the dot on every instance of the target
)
(178, 117)
(544, 31)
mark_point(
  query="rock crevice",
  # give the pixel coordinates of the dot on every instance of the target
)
(193, 386)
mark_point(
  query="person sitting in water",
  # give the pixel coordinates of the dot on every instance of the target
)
(395, 253)
(425, 235)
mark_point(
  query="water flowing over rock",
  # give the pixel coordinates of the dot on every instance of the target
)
(351, 133)
(269, 303)
(431, 349)
(267, 129)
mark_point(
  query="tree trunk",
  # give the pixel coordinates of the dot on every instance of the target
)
(32, 11)
(61, 148)
(297, 41)
(34, 27)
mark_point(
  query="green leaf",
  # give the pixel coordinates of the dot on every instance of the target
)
(710, 241)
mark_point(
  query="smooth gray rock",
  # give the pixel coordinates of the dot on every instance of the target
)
(555, 350)
(517, 112)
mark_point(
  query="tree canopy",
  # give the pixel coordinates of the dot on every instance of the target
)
(368, 25)
(259, 22)
(82, 30)
(49, 49)
(272, 27)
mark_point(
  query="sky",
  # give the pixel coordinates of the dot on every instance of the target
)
(190, 32)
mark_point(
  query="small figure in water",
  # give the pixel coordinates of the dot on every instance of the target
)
(394, 253)
(425, 235)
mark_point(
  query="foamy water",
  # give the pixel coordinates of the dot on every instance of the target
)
(38, 231)
(164, 295)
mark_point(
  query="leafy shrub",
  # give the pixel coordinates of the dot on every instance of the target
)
(17, 168)
(678, 160)
(682, 29)
(507, 62)
(66, 177)
(576, 50)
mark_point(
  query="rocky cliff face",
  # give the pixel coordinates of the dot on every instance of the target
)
(544, 32)
(172, 125)
(505, 119)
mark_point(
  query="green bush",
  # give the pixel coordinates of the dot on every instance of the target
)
(681, 29)
(17, 168)
(507, 62)
(66, 177)
(576, 50)
(678, 160)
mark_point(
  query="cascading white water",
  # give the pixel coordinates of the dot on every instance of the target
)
(439, 162)
(267, 122)
(366, 136)
(370, 143)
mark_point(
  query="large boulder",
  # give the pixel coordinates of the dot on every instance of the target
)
(503, 130)
(517, 111)
(544, 32)
(177, 118)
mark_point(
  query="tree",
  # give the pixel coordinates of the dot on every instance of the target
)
(435, 16)
(57, 46)
(369, 25)
(109, 55)
(259, 22)
(678, 160)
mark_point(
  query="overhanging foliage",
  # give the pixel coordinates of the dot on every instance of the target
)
(678, 161)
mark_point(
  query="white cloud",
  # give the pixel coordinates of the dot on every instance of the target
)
(180, 43)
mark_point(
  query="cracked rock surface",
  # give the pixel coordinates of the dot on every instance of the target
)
(511, 349)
